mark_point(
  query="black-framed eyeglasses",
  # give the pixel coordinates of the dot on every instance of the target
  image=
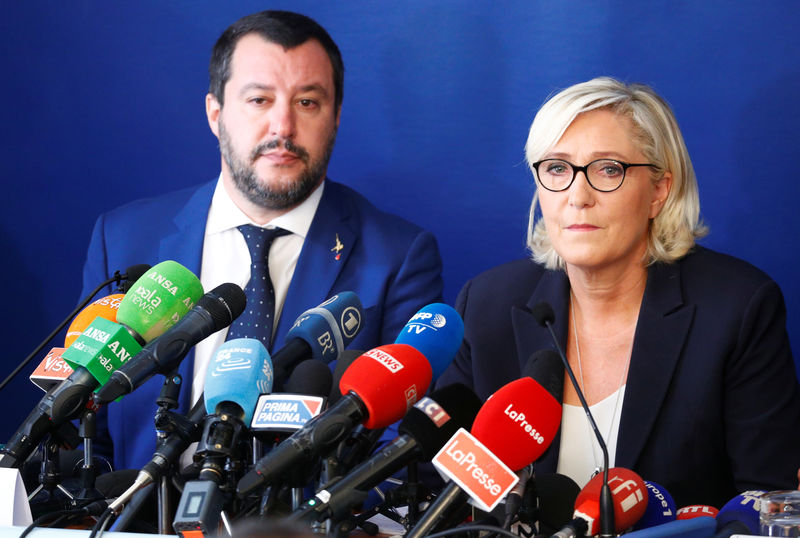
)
(604, 175)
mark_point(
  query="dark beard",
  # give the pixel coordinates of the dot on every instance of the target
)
(246, 180)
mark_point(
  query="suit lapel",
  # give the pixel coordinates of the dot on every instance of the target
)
(663, 326)
(185, 246)
(553, 288)
(326, 250)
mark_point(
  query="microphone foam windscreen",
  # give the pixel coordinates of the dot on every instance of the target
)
(388, 379)
(105, 307)
(224, 304)
(159, 299)
(556, 494)
(743, 508)
(436, 331)
(546, 368)
(342, 364)
(543, 314)
(131, 275)
(627, 490)
(311, 378)
(518, 422)
(661, 507)
(436, 418)
(329, 328)
(240, 371)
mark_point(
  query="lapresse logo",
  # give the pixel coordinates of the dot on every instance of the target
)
(475, 469)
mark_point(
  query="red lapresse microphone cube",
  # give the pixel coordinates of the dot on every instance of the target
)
(518, 422)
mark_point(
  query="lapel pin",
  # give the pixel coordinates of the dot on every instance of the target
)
(337, 248)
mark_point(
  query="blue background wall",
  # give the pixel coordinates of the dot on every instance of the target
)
(103, 102)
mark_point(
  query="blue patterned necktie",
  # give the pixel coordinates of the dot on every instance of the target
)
(258, 318)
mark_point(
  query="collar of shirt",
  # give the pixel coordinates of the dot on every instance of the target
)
(224, 214)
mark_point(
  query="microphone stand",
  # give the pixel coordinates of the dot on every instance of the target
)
(606, 499)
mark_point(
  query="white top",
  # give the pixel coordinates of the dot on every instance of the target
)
(579, 454)
(226, 258)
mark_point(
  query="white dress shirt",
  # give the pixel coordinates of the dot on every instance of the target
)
(226, 258)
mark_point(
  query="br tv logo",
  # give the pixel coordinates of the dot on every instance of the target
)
(475, 469)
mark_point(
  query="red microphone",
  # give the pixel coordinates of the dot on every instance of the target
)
(515, 425)
(388, 380)
(629, 497)
(518, 422)
(378, 388)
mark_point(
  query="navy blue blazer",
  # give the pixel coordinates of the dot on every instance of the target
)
(393, 266)
(712, 406)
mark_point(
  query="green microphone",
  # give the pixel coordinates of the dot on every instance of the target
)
(154, 303)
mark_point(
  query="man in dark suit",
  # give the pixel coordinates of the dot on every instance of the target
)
(274, 103)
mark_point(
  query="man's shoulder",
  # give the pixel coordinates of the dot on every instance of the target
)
(162, 205)
(372, 218)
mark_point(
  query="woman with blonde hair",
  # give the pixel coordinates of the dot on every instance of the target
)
(681, 352)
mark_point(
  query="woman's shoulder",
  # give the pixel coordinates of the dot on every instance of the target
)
(710, 267)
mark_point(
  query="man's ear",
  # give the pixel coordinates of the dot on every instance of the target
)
(213, 109)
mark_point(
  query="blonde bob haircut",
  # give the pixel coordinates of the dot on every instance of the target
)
(655, 132)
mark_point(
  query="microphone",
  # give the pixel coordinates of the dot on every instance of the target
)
(214, 311)
(516, 424)
(237, 374)
(53, 369)
(549, 499)
(102, 347)
(319, 333)
(425, 429)
(436, 331)
(310, 377)
(342, 364)
(740, 515)
(166, 454)
(661, 508)
(629, 498)
(131, 274)
(544, 315)
(306, 391)
(105, 307)
(377, 389)
(239, 371)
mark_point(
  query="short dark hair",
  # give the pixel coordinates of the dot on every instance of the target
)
(283, 28)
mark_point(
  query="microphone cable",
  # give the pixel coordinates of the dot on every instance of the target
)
(134, 270)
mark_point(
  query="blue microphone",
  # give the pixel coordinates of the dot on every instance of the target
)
(740, 515)
(238, 373)
(436, 331)
(320, 333)
(661, 507)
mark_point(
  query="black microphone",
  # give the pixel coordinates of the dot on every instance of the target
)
(424, 431)
(544, 315)
(214, 311)
(549, 500)
(166, 454)
(375, 394)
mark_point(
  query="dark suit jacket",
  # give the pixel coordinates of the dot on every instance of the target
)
(711, 406)
(392, 265)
